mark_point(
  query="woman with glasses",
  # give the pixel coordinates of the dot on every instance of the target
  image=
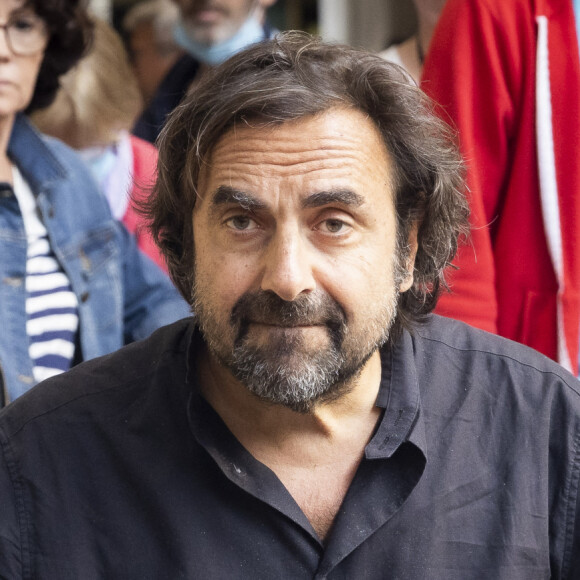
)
(72, 283)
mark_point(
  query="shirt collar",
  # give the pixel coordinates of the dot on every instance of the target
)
(399, 396)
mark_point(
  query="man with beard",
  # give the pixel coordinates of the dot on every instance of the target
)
(209, 31)
(312, 420)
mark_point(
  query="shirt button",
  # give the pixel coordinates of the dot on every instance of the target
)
(84, 296)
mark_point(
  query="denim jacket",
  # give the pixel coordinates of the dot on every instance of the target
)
(122, 295)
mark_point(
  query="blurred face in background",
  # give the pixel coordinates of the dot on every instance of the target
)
(151, 59)
(23, 39)
(214, 21)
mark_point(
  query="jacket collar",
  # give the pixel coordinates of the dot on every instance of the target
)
(36, 161)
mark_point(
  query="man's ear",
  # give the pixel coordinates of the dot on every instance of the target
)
(412, 245)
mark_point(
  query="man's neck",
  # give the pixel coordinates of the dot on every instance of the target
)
(248, 416)
(315, 455)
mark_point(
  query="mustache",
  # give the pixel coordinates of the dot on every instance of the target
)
(266, 307)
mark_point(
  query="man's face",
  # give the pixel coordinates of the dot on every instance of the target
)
(296, 266)
(213, 21)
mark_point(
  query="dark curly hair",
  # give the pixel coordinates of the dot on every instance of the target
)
(70, 29)
(296, 75)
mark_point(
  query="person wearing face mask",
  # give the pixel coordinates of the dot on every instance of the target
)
(209, 31)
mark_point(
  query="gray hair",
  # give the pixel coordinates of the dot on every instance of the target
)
(293, 76)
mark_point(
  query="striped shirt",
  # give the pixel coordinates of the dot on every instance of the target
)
(51, 305)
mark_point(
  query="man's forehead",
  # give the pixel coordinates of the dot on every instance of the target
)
(336, 132)
(340, 149)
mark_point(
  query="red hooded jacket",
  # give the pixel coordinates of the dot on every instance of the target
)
(507, 74)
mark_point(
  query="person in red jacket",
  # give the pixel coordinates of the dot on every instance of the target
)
(507, 73)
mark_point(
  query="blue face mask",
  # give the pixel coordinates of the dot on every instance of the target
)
(100, 161)
(249, 33)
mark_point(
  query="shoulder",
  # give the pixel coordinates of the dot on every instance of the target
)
(102, 385)
(75, 169)
(56, 170)
(62, 152)
(488, 358)
(39, 154)
(482, 385)
(465, 340)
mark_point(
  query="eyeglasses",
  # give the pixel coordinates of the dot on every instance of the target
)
(26, 34)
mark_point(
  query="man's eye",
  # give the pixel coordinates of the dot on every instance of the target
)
(334, 226)
(241, 222)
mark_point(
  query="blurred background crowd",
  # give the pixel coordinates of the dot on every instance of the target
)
(504, 73)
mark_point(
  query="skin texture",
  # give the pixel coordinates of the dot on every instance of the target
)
(303, 210)
(17, 80)
(289, 247)
(213, 21)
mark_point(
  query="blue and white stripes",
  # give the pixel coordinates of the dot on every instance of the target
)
(51, 305)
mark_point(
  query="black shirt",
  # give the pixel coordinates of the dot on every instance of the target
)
(118, 469)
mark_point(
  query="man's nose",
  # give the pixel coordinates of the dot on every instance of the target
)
(288, 266)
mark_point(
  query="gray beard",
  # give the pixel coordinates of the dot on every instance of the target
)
(297, 386)
(280, 373)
